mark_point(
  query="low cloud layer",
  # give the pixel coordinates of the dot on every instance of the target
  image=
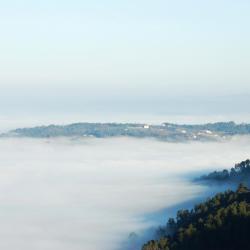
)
(90, 194)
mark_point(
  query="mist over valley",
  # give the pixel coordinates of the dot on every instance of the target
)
(64, 193)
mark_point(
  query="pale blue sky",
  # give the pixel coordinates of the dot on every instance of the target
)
(112, 54)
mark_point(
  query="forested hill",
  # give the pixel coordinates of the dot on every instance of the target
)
(165, 131)
(220, 223)
(240, 173)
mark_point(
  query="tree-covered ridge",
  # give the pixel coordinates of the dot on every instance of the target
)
(239, 174)
(165, 131)
(224, 127)
(220, 223)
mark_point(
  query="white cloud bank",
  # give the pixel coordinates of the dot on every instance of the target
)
(90, 194)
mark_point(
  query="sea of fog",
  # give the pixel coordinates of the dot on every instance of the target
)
(61, 194)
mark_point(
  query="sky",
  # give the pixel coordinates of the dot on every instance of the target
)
(124, 57)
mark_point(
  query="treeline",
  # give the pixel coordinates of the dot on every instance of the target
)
(239, 174)
(98, 130)
(166, 131)
(229, 128)
(220, 223)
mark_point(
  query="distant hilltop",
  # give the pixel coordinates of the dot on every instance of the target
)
(165, 131)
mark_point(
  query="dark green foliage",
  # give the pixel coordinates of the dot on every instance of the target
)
(239, 174)
(220, 223)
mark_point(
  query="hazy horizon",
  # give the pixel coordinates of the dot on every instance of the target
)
(118, 58)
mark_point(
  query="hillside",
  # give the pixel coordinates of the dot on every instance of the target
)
(220, 223)
(240, 173)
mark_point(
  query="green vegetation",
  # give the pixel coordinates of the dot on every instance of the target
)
(220, 223)
(239, 174)
(166, 131)
(229, 128)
